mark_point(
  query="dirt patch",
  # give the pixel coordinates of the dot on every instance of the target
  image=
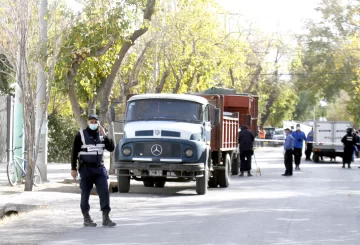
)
(11, 211)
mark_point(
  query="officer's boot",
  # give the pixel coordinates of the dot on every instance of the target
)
(88, 222)
(106, 220)
(249, 173)
(241, 174)
(349, 165)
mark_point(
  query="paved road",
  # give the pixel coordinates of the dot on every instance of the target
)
(318, 205)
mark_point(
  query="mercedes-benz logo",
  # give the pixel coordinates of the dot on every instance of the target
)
(156, 150)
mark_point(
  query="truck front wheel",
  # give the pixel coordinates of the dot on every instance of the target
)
(224, 175)
(123, 181)
(202, 183)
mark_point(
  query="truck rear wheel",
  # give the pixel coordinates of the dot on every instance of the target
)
(202, 183)
(235, 165)
(123, 181)
(316, 157)
(160, 182)
(213, 183)
(148, 182)
(224, 175)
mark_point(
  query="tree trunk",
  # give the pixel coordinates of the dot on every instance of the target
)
(41, 89)
(161, 85)
(123, 51)
(232, 77)
(255, 79)
(73, 98)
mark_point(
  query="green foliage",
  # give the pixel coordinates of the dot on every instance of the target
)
(5, 79)
(62, 130)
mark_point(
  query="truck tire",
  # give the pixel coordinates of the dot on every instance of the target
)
(148, 182)
(202, 183)
(160, 182)
(123, 181)
(235, 165)
(316, 157)
(213, 183)
(224, 175)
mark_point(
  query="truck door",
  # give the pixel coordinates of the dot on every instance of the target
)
(207, 124)
(339, 132)
(323, 134)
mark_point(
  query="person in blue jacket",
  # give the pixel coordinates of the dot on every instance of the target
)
(288, 152)
(299, 138)
(309, 144)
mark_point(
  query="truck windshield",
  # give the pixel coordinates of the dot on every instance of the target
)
(162, 109)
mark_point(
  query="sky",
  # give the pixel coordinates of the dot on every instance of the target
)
(283, 16)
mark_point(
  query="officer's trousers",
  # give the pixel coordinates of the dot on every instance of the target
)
(297, 155)
(90, 176)
(245, 165)
(309, 149)
(288, 161)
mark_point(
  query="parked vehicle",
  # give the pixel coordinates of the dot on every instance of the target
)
(278, 134)
(269, 132)
(327, 138)
(179, 138)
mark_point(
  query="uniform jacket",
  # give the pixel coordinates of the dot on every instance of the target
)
(94, 144)
(246, 139)
(299, 137)
(289, 142)
(349, 142)
(310, 136)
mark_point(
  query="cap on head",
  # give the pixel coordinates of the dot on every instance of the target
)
(93, 116)
(349, 130)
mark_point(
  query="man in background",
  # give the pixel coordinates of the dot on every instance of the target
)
(288, 152)
(246, 141)
(299, 138)
(309, 145)
(262, 136)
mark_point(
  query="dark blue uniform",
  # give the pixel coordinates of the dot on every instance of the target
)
(88, 149)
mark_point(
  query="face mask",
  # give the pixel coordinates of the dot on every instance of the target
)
(297, 128)
(93, 126)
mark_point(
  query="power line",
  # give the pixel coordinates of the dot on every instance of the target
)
(301, 74)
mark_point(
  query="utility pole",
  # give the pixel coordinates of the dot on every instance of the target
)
(41, 89)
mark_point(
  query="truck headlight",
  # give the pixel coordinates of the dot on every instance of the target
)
(126, 151)
(189, 152)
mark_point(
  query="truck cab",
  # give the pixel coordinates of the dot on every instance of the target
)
(166, 138)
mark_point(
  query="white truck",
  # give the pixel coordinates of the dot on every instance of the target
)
(327, 139)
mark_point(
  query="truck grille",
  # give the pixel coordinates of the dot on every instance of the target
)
(154, 149)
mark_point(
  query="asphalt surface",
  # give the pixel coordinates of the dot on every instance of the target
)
(318, 205)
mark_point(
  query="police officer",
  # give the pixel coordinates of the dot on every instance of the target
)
(349, 142)
(288, 152)
(309, 144)
(299, 137)
(246, 144)
(88, 149)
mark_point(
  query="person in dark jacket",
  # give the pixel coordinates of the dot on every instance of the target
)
(349, 141)
(246, 142)
(88, 149)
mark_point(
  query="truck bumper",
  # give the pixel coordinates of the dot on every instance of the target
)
(184, 170)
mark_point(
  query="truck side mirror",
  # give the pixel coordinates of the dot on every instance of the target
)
(217, 117)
